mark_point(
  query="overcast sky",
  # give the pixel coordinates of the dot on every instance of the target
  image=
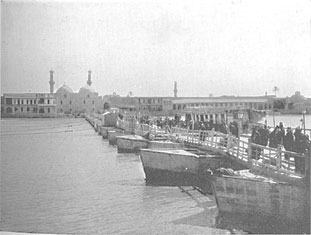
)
(233, 47)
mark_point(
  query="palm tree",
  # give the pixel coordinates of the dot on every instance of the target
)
(275, 89)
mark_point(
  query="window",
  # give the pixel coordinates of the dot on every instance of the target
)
(34, 102)
(70, 102)
(48, 101)
(61, 102)
(8, 100)
(30, 101)
(27, 101)
(65, 96)
(92, 101)
(28, 109)
(34, 110)
(83, 101)
(48, 110)
(22, 109)
(88, 96)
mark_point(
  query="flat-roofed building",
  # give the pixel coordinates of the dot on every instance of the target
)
(256, 103)
(28, 105)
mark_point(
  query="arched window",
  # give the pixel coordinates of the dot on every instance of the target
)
(9, 110)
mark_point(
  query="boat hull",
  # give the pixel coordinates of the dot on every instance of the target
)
(131, 143)
(260, 198)
(104, 131)
(179, 167)
(164, 145)
(112, 136)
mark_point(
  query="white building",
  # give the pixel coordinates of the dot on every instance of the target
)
(28, 105)
(86, 100)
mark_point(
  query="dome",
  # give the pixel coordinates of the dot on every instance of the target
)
(86, 89)
(297, 98)
(64, 89)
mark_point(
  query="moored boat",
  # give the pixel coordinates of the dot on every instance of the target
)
(131, 143)
(112, 135)
(261, 197)
(180, 167)
(166, 144)
(104, 131)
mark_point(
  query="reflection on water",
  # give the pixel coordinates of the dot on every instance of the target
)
(59, 176)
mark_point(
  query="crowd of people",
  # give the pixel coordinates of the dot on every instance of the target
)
(293, 141)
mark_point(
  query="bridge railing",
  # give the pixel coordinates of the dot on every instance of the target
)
(132, 126)
(247, 153)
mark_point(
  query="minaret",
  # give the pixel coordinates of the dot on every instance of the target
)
(89, 81)
(175, 89)
(51, 82)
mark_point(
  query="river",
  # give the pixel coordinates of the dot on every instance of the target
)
(60, 176)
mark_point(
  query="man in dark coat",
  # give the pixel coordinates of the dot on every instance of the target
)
(279, 136)
(264, 135)
(272, 138)
(288, 142)
(256, 139)
(301, 145)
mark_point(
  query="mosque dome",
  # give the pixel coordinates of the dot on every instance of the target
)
(86, 89)
(64, 89)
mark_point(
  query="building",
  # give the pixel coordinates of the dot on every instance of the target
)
(28, 105)
(63, 101)
(226, 102)
(86, 100)
(155, 106)
(296, 104)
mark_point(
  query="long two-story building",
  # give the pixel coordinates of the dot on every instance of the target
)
(28, 105)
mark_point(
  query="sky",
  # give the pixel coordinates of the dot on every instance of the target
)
(227, 47)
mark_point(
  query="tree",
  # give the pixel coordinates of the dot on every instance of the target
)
(275, 90)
